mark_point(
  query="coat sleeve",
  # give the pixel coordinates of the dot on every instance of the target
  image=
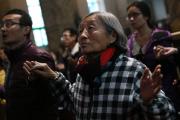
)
(160, 108)
(63, 91)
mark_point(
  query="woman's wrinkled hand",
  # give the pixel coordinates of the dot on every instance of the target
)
(38, 68)
(150, 84)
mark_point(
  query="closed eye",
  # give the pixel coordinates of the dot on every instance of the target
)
(90, 28)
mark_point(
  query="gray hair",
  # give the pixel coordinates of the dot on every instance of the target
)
(111, 24)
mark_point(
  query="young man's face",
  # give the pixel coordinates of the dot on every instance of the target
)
(12, 32)
(68, 39)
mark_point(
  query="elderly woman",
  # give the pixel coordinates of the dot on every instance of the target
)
(108, 84)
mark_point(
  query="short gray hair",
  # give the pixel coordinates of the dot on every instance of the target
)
(111, 24)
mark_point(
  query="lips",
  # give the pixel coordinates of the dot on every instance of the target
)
(83, 45)
(132, 23)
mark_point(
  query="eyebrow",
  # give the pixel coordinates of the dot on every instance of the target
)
(10, 20)
(88, 23)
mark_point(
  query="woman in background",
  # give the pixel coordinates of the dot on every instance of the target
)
(142, 41)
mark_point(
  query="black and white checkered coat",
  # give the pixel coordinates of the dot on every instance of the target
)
(117, 97)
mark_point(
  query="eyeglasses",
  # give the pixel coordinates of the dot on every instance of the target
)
(134, 15)
(8, 23)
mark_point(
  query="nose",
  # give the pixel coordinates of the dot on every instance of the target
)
(131, 18)
(83, 34)
(2, 28)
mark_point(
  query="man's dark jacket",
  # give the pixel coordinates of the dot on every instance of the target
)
(28, 98)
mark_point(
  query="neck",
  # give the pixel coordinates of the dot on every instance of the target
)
(144, 30)
(92, 56)
(71, 46)
(16, 45)
(103, 55)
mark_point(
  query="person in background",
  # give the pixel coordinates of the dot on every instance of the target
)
(28, 98)
(109, 85)
(162, 52)
(71, 53)
(69, 59)
(142, 41)
(3, 68)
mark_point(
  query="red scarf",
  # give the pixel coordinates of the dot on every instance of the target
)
(90, 69)
(105, 56)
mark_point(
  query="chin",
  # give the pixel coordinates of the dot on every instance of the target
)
(85, 52)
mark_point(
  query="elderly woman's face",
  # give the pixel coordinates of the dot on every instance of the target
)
(93, 37)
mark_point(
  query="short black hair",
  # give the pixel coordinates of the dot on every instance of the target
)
(25, 19)
(73, 31)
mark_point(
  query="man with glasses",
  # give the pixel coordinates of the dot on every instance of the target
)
(71, 53)
(28, 98)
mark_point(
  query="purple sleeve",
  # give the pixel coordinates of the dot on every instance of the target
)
(129, 44)
(161, 37)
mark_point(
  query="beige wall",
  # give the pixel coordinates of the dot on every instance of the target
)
(18, 4)
(82, 7)
(9, 4)
(118, 7)
(173, 8)
(4, 5)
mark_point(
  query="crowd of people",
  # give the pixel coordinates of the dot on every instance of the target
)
(102, 75)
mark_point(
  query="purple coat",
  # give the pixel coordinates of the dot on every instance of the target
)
(146, 55)
(28, 98)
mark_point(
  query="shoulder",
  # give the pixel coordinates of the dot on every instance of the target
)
(131, 39)
(160, 36)
(160, 32)
(129, 63)
(35, 51)
(38, 54)
(132, 36)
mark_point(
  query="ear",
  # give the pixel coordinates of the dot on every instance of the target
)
(113, 37)
(74, 37)
(27, 30)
